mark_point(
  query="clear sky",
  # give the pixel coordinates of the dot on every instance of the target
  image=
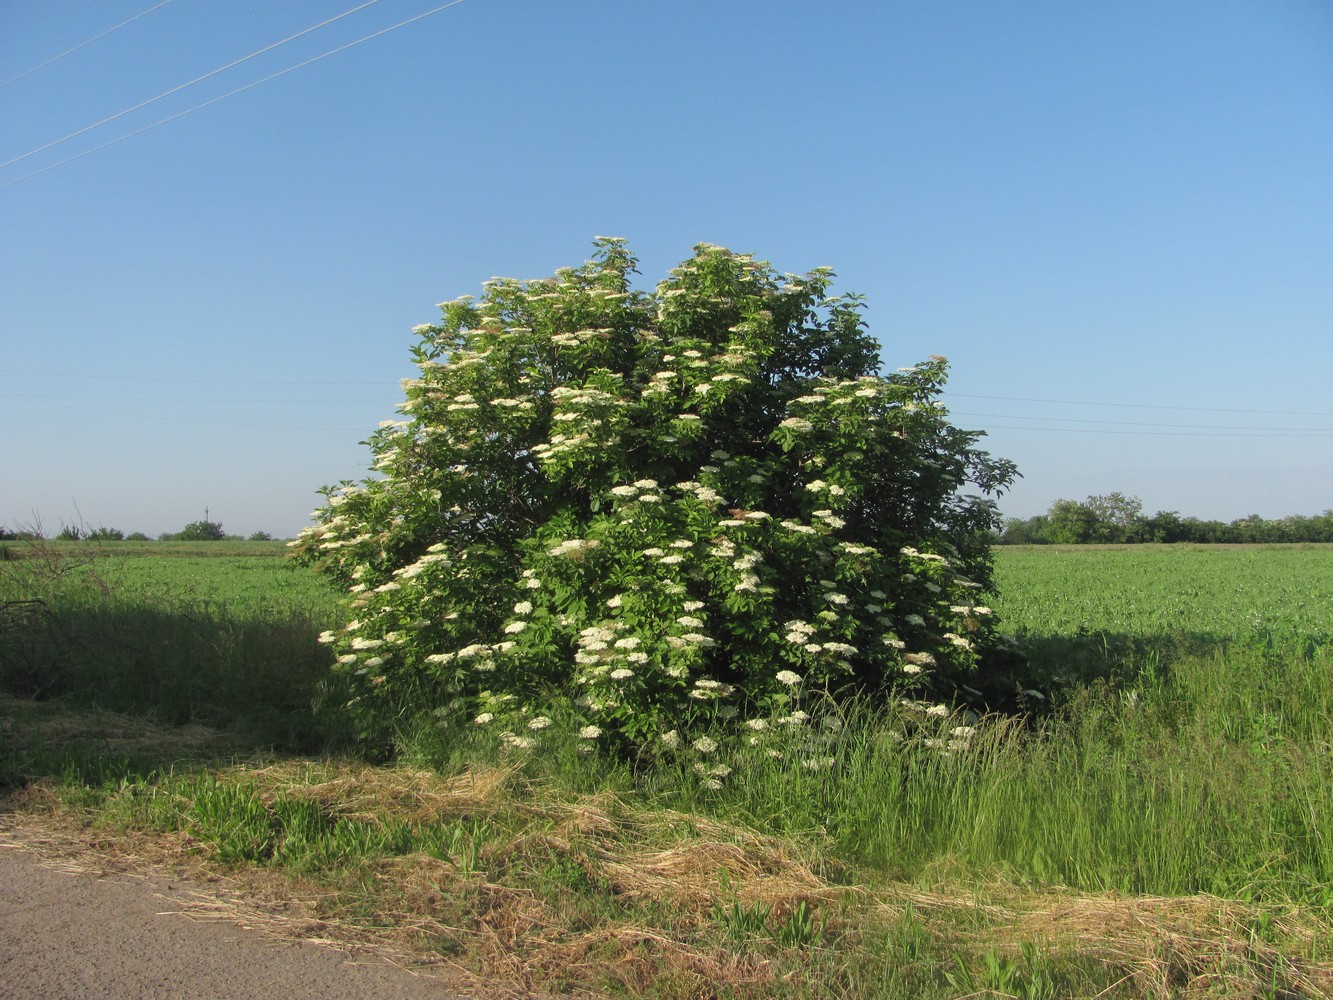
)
(1115, 219)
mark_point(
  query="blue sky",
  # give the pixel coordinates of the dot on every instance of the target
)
(1115, 219)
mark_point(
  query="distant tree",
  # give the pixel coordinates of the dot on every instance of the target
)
(1069, 522)
(104, 534)
(137, 536)
(261, 536)
(69, 533)
(1117, 518)
(1321, 527)
(1165, 526)
(1024, 531)
(201, 531)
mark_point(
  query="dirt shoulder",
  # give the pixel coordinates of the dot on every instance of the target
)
(71, 927)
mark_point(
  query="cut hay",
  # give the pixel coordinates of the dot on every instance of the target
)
(360, 791)
(693, 873)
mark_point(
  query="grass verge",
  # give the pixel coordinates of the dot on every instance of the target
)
(1162, 832)
(505, 872)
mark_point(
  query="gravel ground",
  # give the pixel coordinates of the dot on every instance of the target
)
(67, 933)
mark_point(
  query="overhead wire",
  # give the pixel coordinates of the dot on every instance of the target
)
(183, 86)
(1137, 423)
(195, 420)
(1257, 432)
(1144, 406)
(239, 90)
(1143, 427)
(1131, 427)
(184, 381)
(199, 399)
(89, 41)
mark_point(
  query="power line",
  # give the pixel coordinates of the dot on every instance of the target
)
(192, 420)
(57, 58)
(1316, 431)
(184, 381)
(197, 399)
(1141, 423)
(1257, 433)
(239, 90)
(1145, 406)
(183, 86)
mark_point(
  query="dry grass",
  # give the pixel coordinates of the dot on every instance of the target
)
(635, 914)
(360, 791)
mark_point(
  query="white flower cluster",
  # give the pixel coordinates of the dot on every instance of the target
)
(560, 444)
(704, 494)
(912, 553)
(915, 663)
(830, 519)
(643, 490)
(798, 632)
(707, 689)
(958, 640)
(574, 548)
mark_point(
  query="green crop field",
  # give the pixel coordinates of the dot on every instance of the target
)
(1159, 824)
(1218, 593)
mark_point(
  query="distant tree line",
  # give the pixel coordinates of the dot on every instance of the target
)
(1118, 519)
(195, 531)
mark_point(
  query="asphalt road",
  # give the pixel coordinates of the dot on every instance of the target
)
(66, 934)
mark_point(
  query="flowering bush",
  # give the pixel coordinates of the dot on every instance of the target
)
(646, 513)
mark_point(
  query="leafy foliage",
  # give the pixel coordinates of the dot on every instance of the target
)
(639, 514)
(1118, 519)
(200, 531)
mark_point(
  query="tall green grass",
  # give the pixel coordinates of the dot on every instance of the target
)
(228, 641)
(1190, 751)
(1204, 784)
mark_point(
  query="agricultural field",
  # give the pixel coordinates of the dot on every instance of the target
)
(1157, 823)
(1216, 593)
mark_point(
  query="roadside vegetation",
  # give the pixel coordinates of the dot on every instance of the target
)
(663, 655)
(1159, 828)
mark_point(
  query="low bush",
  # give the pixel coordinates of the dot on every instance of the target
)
(658, 518)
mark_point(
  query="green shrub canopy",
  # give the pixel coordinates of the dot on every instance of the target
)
(646, 513)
